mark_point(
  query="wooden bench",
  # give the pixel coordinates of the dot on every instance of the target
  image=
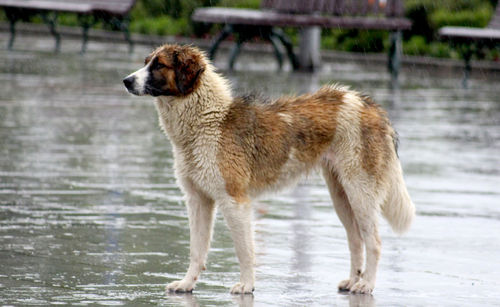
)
(469, 39)
(309, 16)
(113, 12)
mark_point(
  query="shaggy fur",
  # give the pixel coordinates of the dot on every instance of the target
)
(229, 150)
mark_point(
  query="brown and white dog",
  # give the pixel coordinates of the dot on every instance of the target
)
(229, 150)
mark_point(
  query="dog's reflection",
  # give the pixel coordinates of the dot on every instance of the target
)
(183, 299)
(190, 300)
(360, 300)
(247, 300)
(244, 300)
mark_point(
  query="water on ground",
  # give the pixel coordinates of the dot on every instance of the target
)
(90, 212)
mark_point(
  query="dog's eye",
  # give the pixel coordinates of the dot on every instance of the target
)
(160, 66)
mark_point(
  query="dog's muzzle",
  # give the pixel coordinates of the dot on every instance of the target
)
(136, 82)
(129, 83)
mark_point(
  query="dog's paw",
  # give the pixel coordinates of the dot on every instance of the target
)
(362, 287)
(347, 284)
(242, 288)
(180, 286)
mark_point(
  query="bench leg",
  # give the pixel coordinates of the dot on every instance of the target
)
(235, 51)
(467, 70)
(122, 24)
(13, 18)
(309, 48)
(288, 46)
(126, 32)
(228, 30)
(86, 22)
(12, 33)
(277, 52)
(85, 37)
(467, 55)
(394, 62)
(51, 20)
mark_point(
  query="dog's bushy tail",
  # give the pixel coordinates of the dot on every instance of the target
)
(398, 208)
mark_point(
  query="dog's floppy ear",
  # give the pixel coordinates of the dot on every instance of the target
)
(188, 68)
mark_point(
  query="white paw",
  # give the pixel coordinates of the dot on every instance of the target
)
(242, 288)
(181, 286)
(347, 284)
(362, 287)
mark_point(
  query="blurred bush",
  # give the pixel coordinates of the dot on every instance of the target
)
(430, 15)
(172, 17)
(166, 17)
(469, 18)
(354, 40)
(162, 25)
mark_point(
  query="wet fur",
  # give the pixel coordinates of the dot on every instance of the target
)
(229, 150)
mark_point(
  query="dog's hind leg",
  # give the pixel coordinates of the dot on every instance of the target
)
(238, 217)
(346, 216)
(366, 209)
(201, 212)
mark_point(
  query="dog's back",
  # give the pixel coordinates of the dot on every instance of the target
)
(266, 144)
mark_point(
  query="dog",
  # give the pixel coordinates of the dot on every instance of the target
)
(229, 150)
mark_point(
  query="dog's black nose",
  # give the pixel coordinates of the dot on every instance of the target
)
(128, 82)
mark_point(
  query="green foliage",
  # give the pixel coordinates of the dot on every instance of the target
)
(418, 13)
(450, 5)
(162, 25)
(429, 15)
(441, 50)
(364, 41)
(467, 18)
(68, 20)
(416, 46)
(354, 40)
(173, 17)
(252, 4)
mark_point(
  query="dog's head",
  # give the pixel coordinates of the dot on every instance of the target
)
(170, 70)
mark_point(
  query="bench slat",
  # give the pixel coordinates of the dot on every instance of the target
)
(270, 18)
(294, 6)
(117, 7)
(48, 5)
(470, 33)
(394, 8)
(389, 8)
(113, 6)
(338, 6)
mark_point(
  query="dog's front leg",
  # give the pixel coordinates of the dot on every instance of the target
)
(238, 217)
(201, 218)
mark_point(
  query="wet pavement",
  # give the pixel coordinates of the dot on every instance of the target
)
(90, 212)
